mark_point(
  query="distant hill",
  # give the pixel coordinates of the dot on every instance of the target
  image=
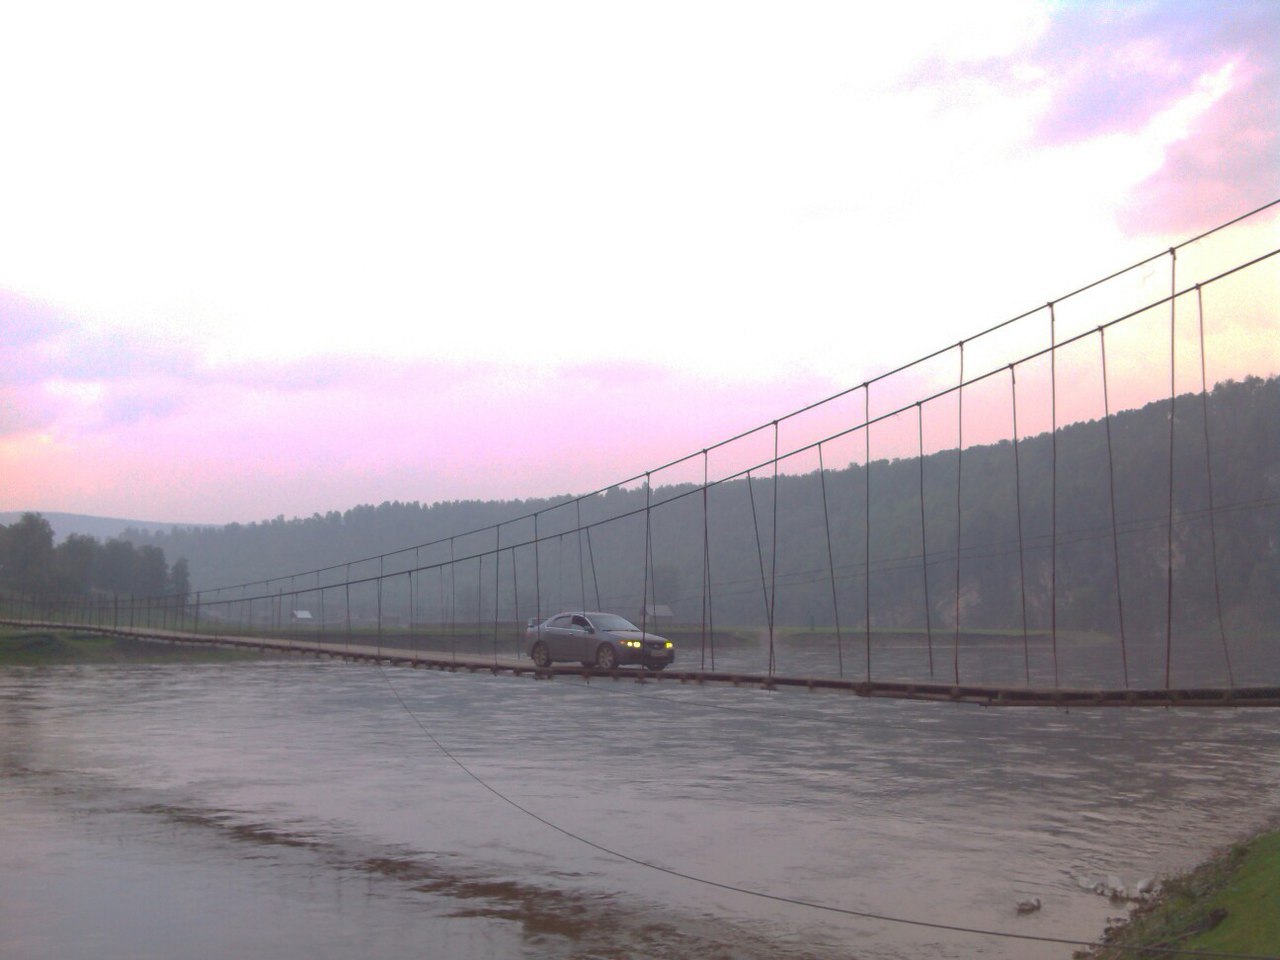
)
(101, 528)
(1051, 530)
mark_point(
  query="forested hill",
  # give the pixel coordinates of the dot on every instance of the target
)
(999, 563)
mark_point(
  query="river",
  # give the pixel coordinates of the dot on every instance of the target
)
(312, 809)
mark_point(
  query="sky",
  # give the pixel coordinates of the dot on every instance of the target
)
(273, 258)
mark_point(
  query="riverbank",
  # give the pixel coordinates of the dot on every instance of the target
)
(1228, 905)
(33, 648)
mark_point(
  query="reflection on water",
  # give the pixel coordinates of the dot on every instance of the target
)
(302, 809)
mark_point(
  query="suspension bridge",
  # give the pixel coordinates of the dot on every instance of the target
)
(1059, 510)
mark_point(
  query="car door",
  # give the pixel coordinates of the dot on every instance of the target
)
(559, 637)
(583, 635)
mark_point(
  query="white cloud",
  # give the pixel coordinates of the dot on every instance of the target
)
(740, 195)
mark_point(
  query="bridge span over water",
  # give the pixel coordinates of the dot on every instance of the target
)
(452, 662)
(1063, 509)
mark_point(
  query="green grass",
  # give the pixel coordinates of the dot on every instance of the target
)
(1231, 904)
(29, 648)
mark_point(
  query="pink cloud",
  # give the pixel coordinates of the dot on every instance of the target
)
(245, 442)
(1230, 163)
(1115, 68)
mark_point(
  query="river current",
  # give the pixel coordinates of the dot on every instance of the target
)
(318, 809)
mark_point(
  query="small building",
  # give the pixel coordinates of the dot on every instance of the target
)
(301, 616)
(654, 613)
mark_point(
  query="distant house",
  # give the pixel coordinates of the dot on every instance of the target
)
(301, 616)
(654, 612)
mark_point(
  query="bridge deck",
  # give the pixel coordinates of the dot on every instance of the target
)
(991, 696)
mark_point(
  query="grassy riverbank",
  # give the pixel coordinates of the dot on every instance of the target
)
(1228, 905)
(33, 648)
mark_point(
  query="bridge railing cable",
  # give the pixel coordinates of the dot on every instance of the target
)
(894, 372)
(552, 546)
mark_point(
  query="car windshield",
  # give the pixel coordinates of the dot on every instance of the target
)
(611, 621)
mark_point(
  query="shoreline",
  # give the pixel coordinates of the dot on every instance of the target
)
(1228, 904)
(28, 647)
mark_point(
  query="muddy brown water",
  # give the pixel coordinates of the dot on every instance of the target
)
(314, 809)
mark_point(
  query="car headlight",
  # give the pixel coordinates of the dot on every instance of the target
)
(669, 644)
(631, 643)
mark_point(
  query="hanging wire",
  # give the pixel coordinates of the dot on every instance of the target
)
(413, 596)
(935, 354)
(648, 556)
(564, 603)
(594, 580)
(497, 584)
(776, 898)
(1208, 469)
(1017, 499)
(348, 601)
(1168, 604)
(706, 568)
(453, 603)
(479, 602)
(441, 621)
(770, 594)
(866, 569)
(1053, 490)
(773, 562)
(924, 547)
(764, 583)
(959, 510)
(831, 564)
(1111, 481)
(379, 587)
(537, 571)
(515, 592)
(582, 573)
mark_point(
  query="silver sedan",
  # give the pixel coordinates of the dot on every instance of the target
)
(603, 640)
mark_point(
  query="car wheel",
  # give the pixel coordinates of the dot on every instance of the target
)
(541, 655)
(606, 658)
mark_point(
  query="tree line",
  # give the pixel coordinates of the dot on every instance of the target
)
(1069, 528)
(31, 564)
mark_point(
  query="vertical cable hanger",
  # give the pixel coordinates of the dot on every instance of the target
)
(413, 612)
(441, 621)
(537, 571)
(479, 600)
(347, 585)
(866, 547)
(1208, 469)
(1111, 481)
(959, 511)
(1053, 490)
(582, 573)
(381, 566)
(1173, 389)
(706, 566)
(648, 556)
(924, 546)
(497, 582)
(595, 581)
(764, 583)
(453, 602)
(831, 564)
(773, 563)
(515, 592)
(1017, 499)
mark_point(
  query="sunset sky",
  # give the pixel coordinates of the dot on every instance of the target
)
(278, 258)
